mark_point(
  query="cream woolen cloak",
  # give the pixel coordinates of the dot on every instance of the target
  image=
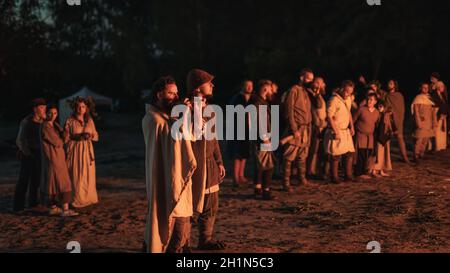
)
(424, 116)
(169, 165)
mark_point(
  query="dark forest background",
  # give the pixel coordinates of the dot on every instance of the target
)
(118, 48)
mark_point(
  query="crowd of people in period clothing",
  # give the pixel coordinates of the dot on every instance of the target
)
(321, 134)
(324, 133)
(57, 169)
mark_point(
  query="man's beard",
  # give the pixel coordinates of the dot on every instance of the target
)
(168, 104)
(308, 85)
(271, 98)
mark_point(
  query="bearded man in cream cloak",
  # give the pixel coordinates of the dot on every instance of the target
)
(169, 165)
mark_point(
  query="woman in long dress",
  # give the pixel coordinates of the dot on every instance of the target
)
(55, 181)
(80, 132)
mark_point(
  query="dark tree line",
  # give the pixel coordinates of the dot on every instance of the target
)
(118, 48)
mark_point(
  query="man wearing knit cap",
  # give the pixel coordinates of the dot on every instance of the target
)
(28, 142)
(197, 80)
(210, 170)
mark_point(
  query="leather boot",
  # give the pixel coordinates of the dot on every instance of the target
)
(267, 195)
(334, 170)
(287, 176)
(302, 173)
(325, 170)
(349, 169)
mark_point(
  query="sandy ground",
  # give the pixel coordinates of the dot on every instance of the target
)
(407, 212)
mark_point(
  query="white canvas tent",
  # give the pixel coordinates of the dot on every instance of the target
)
(146, 93)
(64, 108)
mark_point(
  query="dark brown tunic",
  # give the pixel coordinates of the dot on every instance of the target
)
(396, 103)
(299, 115)
(258, 101)
(365, 124)
(213, 158)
